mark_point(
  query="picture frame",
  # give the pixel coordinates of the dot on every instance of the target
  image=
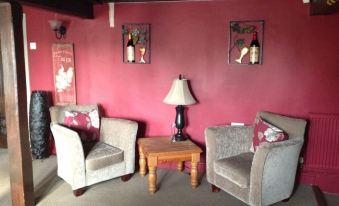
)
(63, 74)
(240, 38)
(141, 36)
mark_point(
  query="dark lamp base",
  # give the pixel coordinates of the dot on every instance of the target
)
(179, 137)
(179, 124)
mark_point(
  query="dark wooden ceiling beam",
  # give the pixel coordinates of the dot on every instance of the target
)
(321, 7)
(80, 8)
(131, 1)
(83, 9)
(137, 1)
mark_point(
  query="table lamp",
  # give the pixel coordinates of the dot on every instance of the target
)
(179, 95)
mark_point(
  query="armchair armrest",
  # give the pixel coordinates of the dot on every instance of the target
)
(120, 133)
(70, 156)
(225, 141)
(272, 163)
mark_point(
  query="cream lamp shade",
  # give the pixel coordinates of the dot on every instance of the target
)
(179, 94)
(58, 28)
(55, 24)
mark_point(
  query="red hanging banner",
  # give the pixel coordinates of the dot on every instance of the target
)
(64, 74)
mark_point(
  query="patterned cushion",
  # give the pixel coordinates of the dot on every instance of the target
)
(266, 132)
(103, 155)
(236, 169)
(85, 123)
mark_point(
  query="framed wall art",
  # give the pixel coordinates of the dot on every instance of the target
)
(64, 74)
(246, 42)
(136, 41)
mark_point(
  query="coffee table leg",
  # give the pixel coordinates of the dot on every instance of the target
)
(142, 162)
(180, 166)
(194, 170)
(152, 176)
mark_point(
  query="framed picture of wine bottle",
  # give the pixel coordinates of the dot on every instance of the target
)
(246, 42)
(136, 41)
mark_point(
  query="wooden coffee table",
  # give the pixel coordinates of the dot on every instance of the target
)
(160, 149)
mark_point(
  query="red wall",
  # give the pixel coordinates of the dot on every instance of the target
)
(299, 74)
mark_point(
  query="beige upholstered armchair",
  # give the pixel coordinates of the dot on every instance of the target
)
(261, 178)
(112, 156)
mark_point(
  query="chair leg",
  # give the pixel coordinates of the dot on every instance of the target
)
(79, 192)
(125, 178)
(215, 188)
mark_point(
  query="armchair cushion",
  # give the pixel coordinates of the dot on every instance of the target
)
(266, 132)
(236, 169)
(85, 123)
(103, 155)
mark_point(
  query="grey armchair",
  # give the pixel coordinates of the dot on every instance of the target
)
(113, 156)
(261, 178)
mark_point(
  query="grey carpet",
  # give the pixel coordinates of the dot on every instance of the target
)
(4, 178)
(174, 188)
(44, 173)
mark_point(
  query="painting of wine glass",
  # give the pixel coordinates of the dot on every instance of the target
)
(136, 50)
(245, 46)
